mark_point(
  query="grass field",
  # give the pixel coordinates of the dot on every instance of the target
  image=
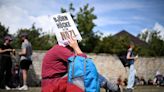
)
(145, 89)
(137, 89)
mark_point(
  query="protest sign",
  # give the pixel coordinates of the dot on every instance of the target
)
(65, 28)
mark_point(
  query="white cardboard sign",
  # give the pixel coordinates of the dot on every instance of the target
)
(65, 28)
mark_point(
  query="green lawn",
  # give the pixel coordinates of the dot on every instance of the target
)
(137, 89)
(145, 89)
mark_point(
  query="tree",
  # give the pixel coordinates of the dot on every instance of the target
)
(144, 36)
(47, 41)
(105, 45)
(3, 32)
(113, 45)
(85, 25)
(39, 40)
(156, 45)
(84, 21)
(33, 36)
(71, 10)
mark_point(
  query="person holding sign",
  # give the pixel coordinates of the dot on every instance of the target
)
(55, 61)
(54, 68)
(55, 65)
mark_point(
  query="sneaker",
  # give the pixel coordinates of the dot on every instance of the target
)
(129, 90)
(119, 88)
(7, 88)
(24, 87)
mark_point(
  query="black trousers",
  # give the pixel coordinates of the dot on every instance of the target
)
(5, 71)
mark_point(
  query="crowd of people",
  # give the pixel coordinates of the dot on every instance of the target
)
(55, 68)
(158, 80)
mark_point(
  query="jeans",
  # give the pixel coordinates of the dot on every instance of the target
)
(104, 83)
(131, 76)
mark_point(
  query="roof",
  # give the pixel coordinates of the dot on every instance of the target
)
(134, 39)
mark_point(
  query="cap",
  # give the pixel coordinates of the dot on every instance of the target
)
(23, 34)
(8, 38)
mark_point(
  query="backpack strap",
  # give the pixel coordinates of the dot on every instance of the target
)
(73, 67)
(85, 61)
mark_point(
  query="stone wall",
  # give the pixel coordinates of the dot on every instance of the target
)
(110, 66)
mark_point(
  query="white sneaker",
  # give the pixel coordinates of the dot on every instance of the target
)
(7, 88)
(24, 87)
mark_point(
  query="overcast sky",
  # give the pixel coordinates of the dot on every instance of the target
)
(112, 15)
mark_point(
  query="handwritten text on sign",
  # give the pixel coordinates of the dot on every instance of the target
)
(62, 22)
(67, 34)
(65, 28)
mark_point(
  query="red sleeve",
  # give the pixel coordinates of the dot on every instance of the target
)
(63, 53)
(83, 55)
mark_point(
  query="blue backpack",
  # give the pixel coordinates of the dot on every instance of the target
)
(83, 73)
